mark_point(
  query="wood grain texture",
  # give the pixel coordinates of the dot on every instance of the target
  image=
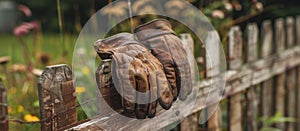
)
(252, 109)
(235, 112)
(213, 69)
(267, 98)
(234, 50)
(298, 30)
(279, 87)
(280, 35)
(3, 108)
(190, 123)
(215, 121)
(266, 39)
(290, 31)
(291, 98)
(280, 94)
(235, 61)
(57, 98)
(212, 60)
(298, 98)
(251, 39)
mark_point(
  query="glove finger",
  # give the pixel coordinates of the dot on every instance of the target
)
(164, 90)
(147, 60)
(166, 96)
(169, 69)
(153, 92)
(142, 86)
(124, 81)
(183, 71)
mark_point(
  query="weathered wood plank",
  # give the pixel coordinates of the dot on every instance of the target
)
(280, 41)
(212, 60)
(291, 97)
(251, 94)
(57, 97)
(235, 61)
(235, 112)
(234, 50)
(252, 109)
(251, 39)
(290, 31)
(298, 98)
(190, 123)
(298, 30)
(215, 121)
(267, 98)
(279, 35)
(280, 98)
(266, 39)
(267, 86)
(3, 108)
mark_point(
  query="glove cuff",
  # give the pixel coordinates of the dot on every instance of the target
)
(105, 46)
(153, 28)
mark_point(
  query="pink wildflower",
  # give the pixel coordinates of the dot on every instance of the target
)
(25, 10)
(217, 14)
(25, 28)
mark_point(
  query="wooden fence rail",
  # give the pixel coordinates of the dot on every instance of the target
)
(262, 79)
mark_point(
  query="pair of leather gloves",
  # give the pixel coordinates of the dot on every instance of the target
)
(150, 70)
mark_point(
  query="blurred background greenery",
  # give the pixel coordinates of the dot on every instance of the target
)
(60, 22)
(75, 13)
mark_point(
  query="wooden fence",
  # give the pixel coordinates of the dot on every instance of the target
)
(262, 79)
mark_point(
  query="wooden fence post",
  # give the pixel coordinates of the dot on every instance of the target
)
(3, 108)
(290, 30)
(291, 97)
(190, 123)
(252, 96)
(298, 99)
(280, 35)
(280, 79)
(235, 61)
(57, 98)
(267, 86)
(298, 75)
(291, 76)
(214, 123)
(298, 29)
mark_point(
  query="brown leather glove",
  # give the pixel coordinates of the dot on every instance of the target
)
(158, 36)
(137, 75)
(107, 89)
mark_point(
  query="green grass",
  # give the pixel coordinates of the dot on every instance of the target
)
(51, 44)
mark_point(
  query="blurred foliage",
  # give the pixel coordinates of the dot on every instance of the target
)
(75, 13)
(268, 122)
